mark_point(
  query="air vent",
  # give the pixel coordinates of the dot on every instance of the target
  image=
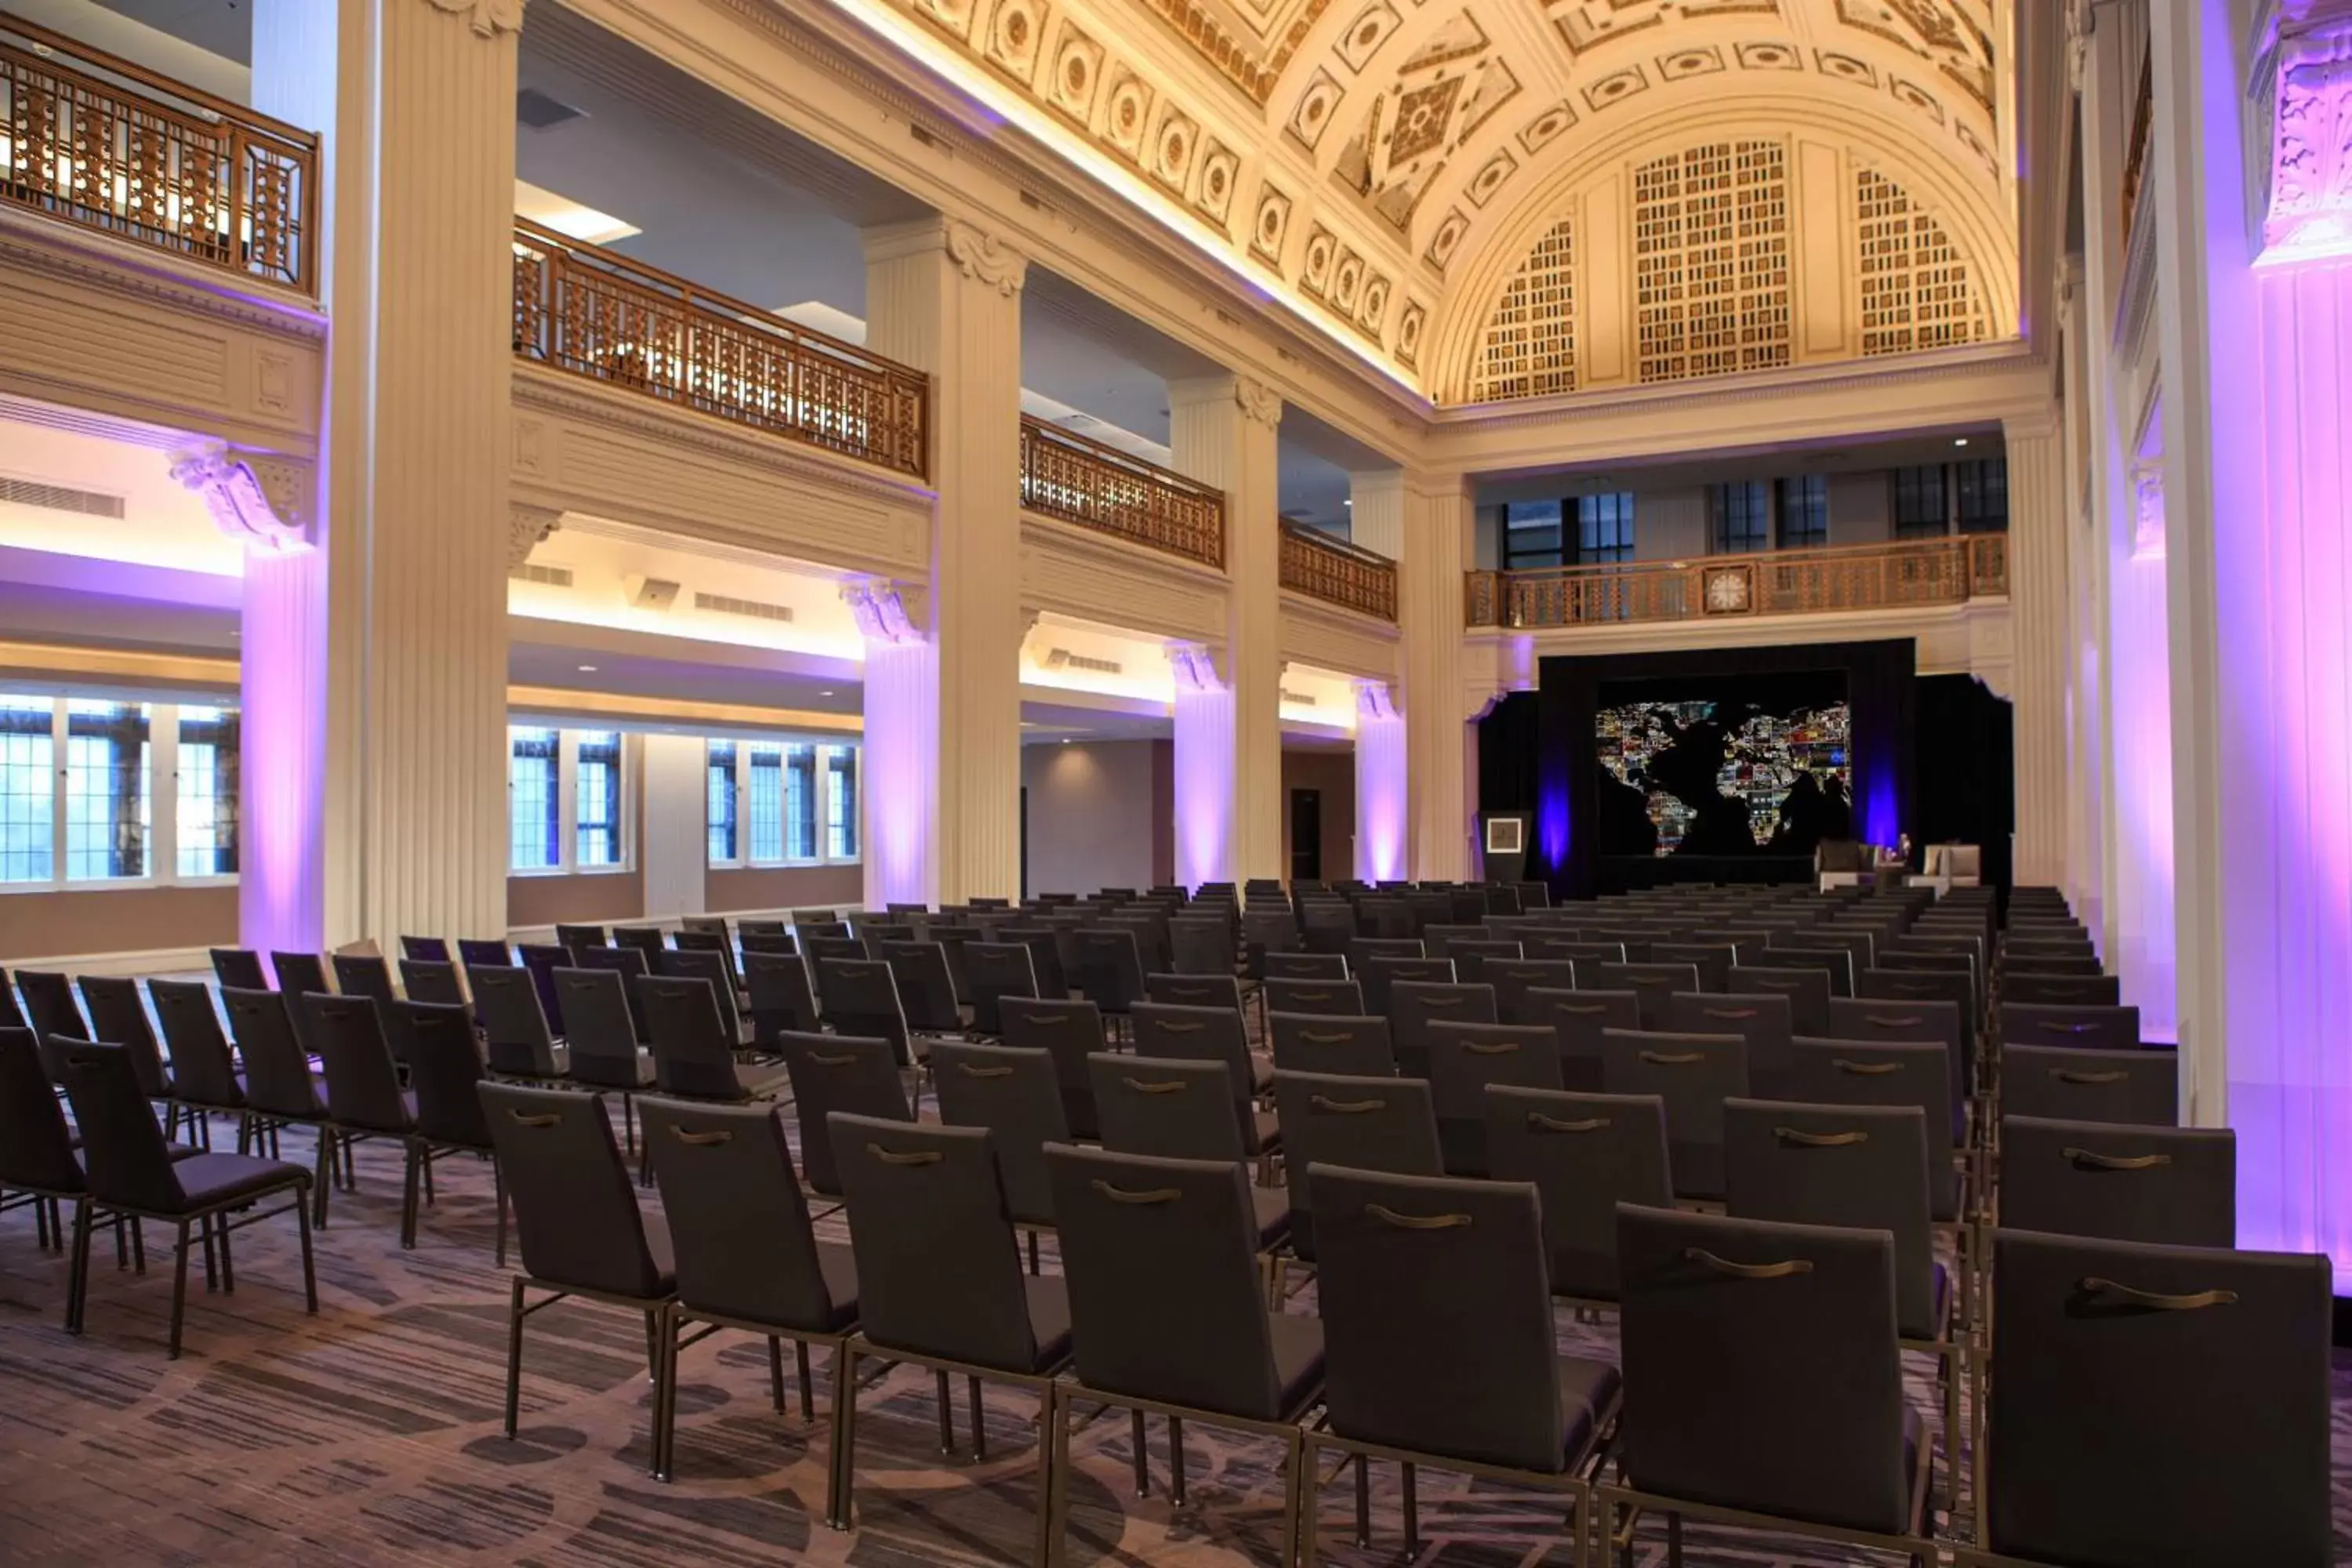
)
(923, 134)
(541, 112)
(59, 498)
(552, 576)
(720, 603)
(1063, 658)
(1297, 698)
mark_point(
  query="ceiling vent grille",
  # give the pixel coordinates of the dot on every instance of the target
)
(59, 498)
(552, 576)
(720, 603)
(1063, 658)
(1297, 698)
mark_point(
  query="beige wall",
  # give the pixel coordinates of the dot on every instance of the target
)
(1333, 774)
(116, 920)
(1095, 814)
(726, 890)
(594, 897)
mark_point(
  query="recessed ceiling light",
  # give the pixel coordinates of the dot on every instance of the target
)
(1962, 441)
(824, 694)
(1349, 502)
(573, 220)
(587, 669)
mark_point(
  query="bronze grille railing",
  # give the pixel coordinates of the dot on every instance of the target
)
(1780, 582)
(581, 308)
(1337, 573)
(105, 144)
(2143, 136)
(1065, 476)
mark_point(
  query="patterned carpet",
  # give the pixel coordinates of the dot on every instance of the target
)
(372, 1435)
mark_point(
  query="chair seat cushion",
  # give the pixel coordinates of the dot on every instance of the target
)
(1586, 1389)
(839, 1265)
(1272, 1208)
(1297, 1362)
(1261, 1073)
(1266, 1132)
(761, 1080)
(210, 1179)
(1049, 1317)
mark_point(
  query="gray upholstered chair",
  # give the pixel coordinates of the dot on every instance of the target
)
(1338, 997)
(364, 1099)
(693, 1046)
(1580, 1018)
(1653, 984)
(1211, 1033)
(860, 997)
(1381, 973)
(997, 970)
(2062, 990)
(1808, 991)
(838, 1072)
(444, 1076)
(1310, 1042)
(2134, 1086)
(1762, 1020)
(204, 1076)
(117, 1017)
(515, 1029)
(782, 1002)
(1012, 1092)
(1694, 1074)
(1465, 1059)
(432, 979)
(1303, 966)
(2076, 1028)
(1414, 1004)
(1070, 1032)
(280, 1089)
(1866, 1072)
(1362, 1123)
(2173, 1187)
(1584, 1154)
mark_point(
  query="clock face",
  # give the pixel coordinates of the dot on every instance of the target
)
(1727, 591)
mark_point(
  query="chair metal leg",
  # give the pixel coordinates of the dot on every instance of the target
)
(1142, 1455)
(664, 1323)
(227, 1263)
(776, 1371)
(946, 1414)
(310, 1269)
(137, 1246)
(498, 1187)
(1363, 1501)
(808, 1386)
(212, 1256)
(1056, 1451)
(41, 1224)
(514, 1356)
(78, 1270)
(1033, 1266)
(1412, 1514)
(325, 1178)
(1309, 1471)
(1295, 1486)
(979, 1427)
(845, 1435)
(429, 1199)
(1043, 1547)
(179, 1288)
(416, 1155)
(1176, 1460)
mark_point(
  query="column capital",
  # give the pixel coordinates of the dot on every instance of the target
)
(2299, 130)
(984, 257)
(259, 499)
(2081, 21)
(882, 610)
(489, 18)
(1195, 665)
(1375, 699)
(1258, 402)
(527, 526)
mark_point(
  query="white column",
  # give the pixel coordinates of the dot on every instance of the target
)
(673, 840)
(378, 667)
(1383, 791)
(899, 792)
(1438, 519)
(944, 297)
(1376, 511)
(1222, 429)
(2038, 514)
(1202, 735)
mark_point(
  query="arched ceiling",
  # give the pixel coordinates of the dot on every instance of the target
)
(1387, 164)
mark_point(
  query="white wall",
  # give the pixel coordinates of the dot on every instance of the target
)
(1091, 816)
(1861, 509)
(1671, 525)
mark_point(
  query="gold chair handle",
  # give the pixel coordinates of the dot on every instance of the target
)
(1179, 1028)
(2057, 1029)
(2157, 1300)
(2092, 1160)
(1136, 1084)
(1674, 1059)
(1313, 1038)
(1865, 1069)
(1805, 1140)
(1314, 996)
(1779, 984)
(1128, 1195)
(1491, 1047)
(913, 1157)
(1549, 1124)
(1728, 1012)
(2065, 1075)
(550, 1119)
(1903, 1022)
(1580, 1009)
(1780, 1271)
(970, 1071)
(1344, 1107)
(832, 1061)
(1441, 1001)
(700, 1140)
(1389, 1217)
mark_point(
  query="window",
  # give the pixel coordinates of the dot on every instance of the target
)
(1604, 528)
(840, 803)
(597, 770)
(767, 794)
(1804, 511)
(1743, 517)
(95, 791)
(1920, 506)
(1983, 493)
(567, 800)
(720, 775)
(534, 805)
(800, 802)
(1532, 534)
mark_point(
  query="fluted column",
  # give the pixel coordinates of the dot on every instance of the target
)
(1436, 539)
(1384, 784)
(1376, 511)
(1201, 766)
(1222, 430)
(2038, 514)
(900, 797)
(378, 666)
(945, 297)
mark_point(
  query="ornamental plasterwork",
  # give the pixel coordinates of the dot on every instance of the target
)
(489, 18)
(2300, 129)
(259, 498)
(1367, 154)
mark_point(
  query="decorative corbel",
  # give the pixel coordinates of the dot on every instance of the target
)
(489, 18)
(1195, 665)
(2299, 128)
(881, 610)
(984, 257)
(259, 498)
(527, 526)
(1375, 699)
(1259, 403)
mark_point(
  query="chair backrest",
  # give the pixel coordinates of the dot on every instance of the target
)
(1694, 1074)
(362, 1085)
(1712, 961)
(1165, 1298)
(580, 936)
(751, 939)
(1464, 1060)
(694, 1051)
(1471, 958)
(1069, 1031)
(1579, 1019)
(1415, 1004)
(1194, 991)
(602, 1039)
(782, 999)
(938, 1270)
(1569, 948)
(1337, 998)
(125, 1163)
(475, 952)
(276, 1069)
(1312, 1042)
(1198, 945)
(1516, 980)
(925, 989)
(1762, 1020)
(1761, 1367)
(1653, 984)
(1013, 1093)
(301, 974)
(738, 1221)
(1840, 1165)
(1303, 966)
(514, 1028)
(575, 1206)
(425, 949)
(542, 961)
(700, 938)
(2159, 1405)
(1912, 987)
(2081, 1028)
(1171, 1107)
(1211, 1033)
(240, 967)
(1887, 1072)
(1381, 973)
(204, 1072)
(996, 970)
(364, 974)
(1362, 1123)
(432, 979)
(647, 939)
(716, 970)
(1906, 1021)
(444, 1067)
(50, 1010)
(118, 1017)
(35, 1148)
(2064, 990)
(1584, 1153)
(1437, 1316)
(860, 997)
(2170, 1186)
(1808, 991)
(2133, 1086)
(631, 966)
(838, 1072)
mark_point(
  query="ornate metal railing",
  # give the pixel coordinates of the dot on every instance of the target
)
(1065, 476)
(108, 145)
(1780, 582)
(2143, 135)
(583, 309)
(1337, 573)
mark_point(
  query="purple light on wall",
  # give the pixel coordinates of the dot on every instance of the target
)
(282, 677)
(1879, 820)
(1383, 804)
(1203, 771)
(900, 776)
(1552, 814)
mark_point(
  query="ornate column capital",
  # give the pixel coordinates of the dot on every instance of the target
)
(883, 615)
(2299, 130)
(263, 500)
(2081, 21)
(489, 18)
(1259, 403)
(1195, 665)
(526, 525)
(983, 257)
(1376, 699)
(2147, 508)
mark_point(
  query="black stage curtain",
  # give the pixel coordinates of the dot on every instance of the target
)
(1967, 788)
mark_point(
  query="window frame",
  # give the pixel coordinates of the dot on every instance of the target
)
(1609, 512)
(1799, 491)
(822, 748)
(567, 791)
(1904, 529)
(1759, 511)
(1539, 559)
(161, 855)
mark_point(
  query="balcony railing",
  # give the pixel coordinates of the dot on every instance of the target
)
(2143, 138)
(1337, 573)
(1065, 476)
(581, 308)
(1781, 582)
(108, 145)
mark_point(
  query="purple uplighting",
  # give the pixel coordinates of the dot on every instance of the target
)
(1205, 774)
(282, 899)
(1381, 788)
(901, 769)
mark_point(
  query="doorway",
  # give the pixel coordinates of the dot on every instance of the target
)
(1306, 836)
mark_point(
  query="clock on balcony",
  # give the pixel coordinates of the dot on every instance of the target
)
(1728, 590)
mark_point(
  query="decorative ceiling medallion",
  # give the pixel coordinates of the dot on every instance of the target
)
(1273, 223)
(1374, 310)
(1539, 132)
(1686, 63)
(1219, 170)
(1421, 118)
(1173, 151)
(1767, 57)
(1127, 110)
(1014, 34)
(1317, 106)
(1446, 237)
(1315, 269)
(1840, 67)
(1347, 280)
(952, 16)
(1615, 88)
(1490, 177)
(1415, 316)
(1913, 95)
(1373, 27)
(1077, 75)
